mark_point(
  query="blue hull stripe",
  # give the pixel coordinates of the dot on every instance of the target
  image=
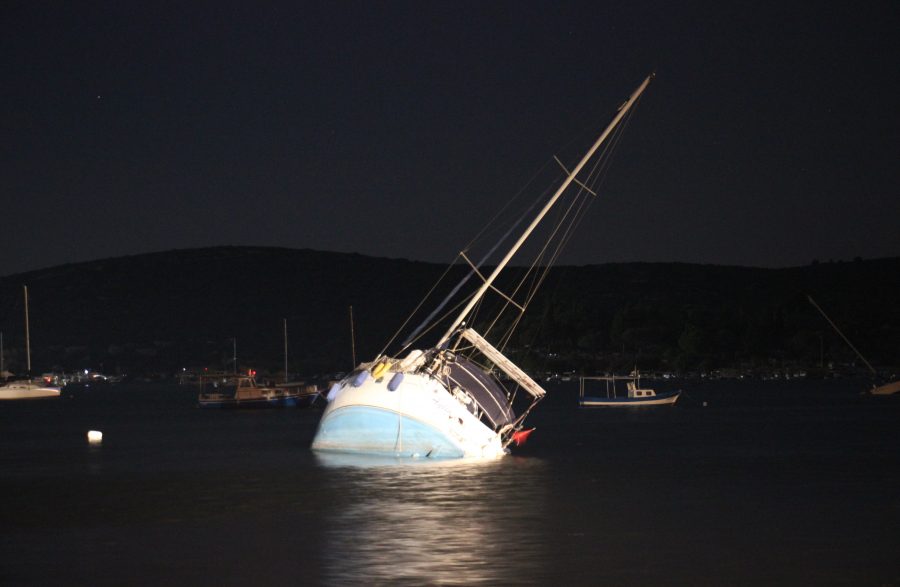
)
(371, 430)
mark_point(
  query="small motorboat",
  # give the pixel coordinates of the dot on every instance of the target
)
(636, 395)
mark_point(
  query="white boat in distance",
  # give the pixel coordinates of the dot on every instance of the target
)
(440, 402)
(636, 395)
(27, 389)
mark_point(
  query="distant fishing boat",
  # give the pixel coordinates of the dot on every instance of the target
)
(450, 400)
(889, 388)
(242, 391)
(635, 395)
(28, 388)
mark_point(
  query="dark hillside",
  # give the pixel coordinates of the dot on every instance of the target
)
(707, 317)
(182, 308)
(164, 311)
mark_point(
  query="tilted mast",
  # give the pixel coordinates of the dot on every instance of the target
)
(562, 188)
(838, 330)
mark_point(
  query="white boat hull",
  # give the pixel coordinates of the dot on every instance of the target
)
(628, 402)
(16, 390)
(886, 389)
(419, 419)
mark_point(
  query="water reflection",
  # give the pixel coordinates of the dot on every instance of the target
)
(433, 522)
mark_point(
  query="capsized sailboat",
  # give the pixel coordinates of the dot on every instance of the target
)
(454, 399)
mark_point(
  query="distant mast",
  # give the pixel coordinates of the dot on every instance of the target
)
(352, 339)
(562, 188)
(27, 335)
(285, 352)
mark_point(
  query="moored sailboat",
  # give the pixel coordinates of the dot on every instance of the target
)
(885, 388)
(455, 398)
(28, 388)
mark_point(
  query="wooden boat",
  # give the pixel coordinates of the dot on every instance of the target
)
(636, 395)
(242, 391)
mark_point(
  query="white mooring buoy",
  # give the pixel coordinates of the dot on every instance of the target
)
(95, 436)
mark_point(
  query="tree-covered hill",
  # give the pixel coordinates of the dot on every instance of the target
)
(164, 311)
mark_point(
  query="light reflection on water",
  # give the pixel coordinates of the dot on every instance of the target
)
(740, 484)
(435, 522)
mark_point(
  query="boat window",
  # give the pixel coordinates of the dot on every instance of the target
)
(486, 392)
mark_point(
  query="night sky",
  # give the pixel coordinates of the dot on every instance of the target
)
(768, 138)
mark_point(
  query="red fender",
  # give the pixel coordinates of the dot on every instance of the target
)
(521, 436)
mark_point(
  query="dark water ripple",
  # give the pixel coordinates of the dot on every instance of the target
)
(768, 483)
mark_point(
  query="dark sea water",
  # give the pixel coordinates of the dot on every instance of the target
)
(769, 483)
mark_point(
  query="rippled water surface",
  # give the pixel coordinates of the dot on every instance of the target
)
(767, 483)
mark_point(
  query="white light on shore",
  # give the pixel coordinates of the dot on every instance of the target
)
(95, 436)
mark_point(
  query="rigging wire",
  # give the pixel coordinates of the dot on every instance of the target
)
(443, 317)
(490, 223)
(420, 304)
(580, 203)
(561, 234)
(562, 230)
(465, 279)
(415, 335)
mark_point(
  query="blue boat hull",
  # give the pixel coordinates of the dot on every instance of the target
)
(376, 431)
